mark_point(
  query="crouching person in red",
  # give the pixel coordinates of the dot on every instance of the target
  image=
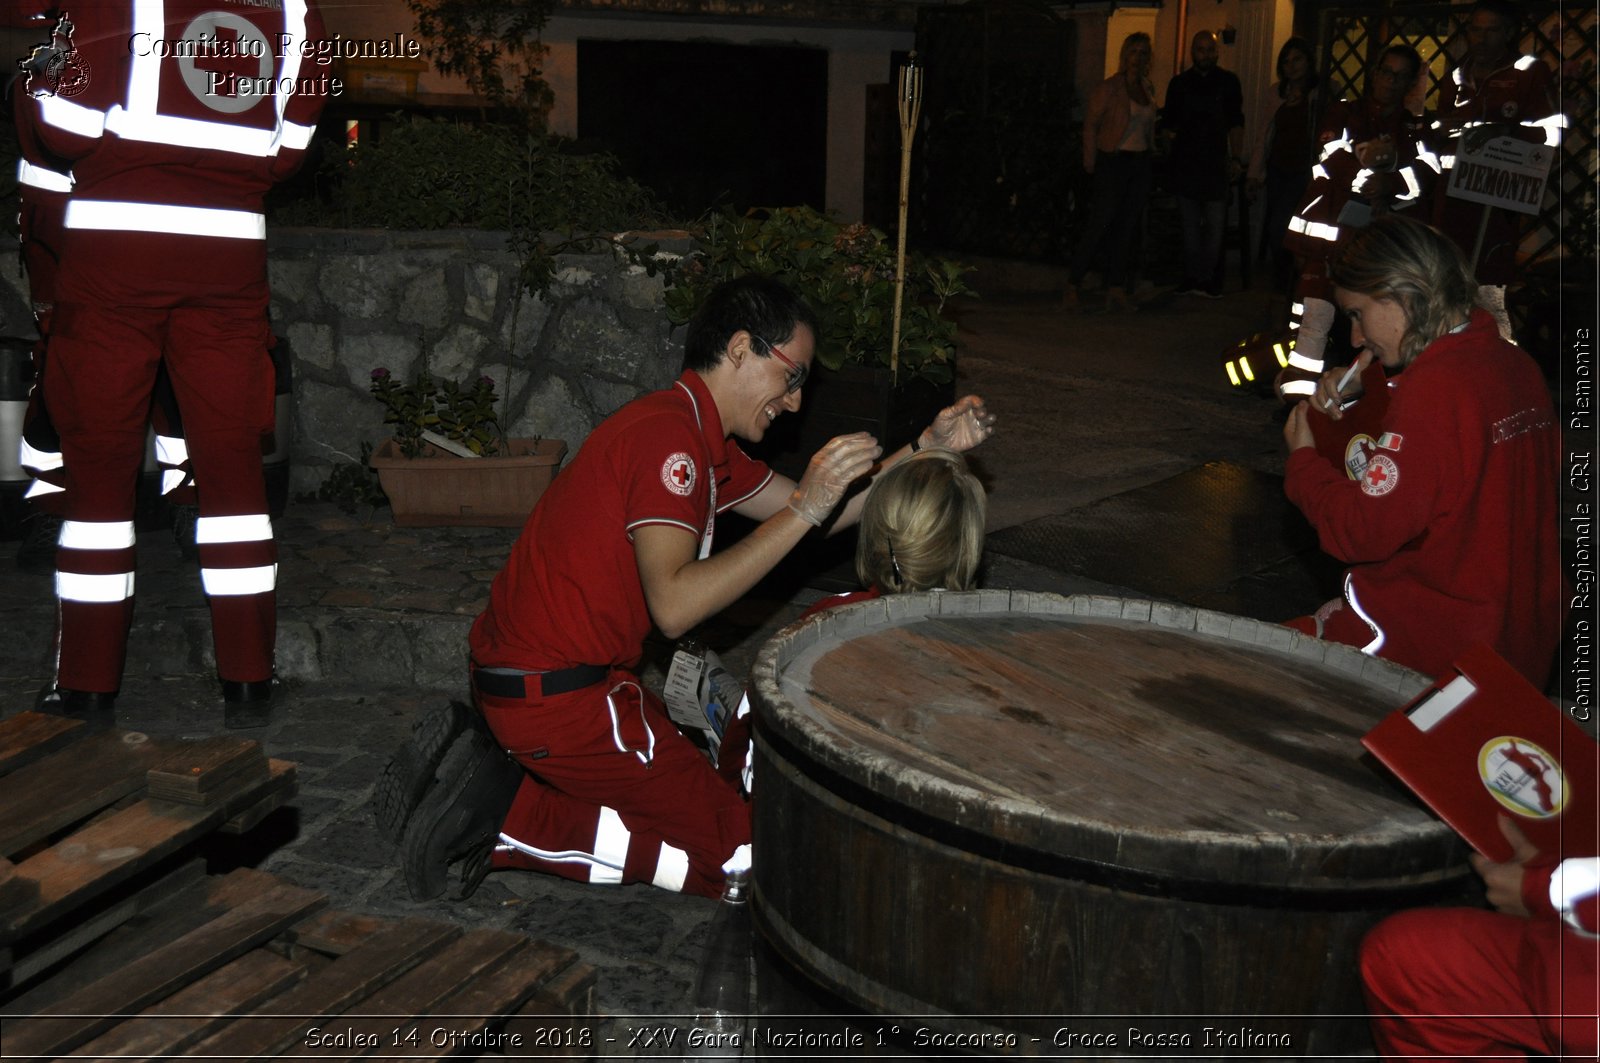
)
(1462, 983)
(1451, 527)
(599, 786)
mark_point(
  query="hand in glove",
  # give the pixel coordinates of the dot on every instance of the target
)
(841, 462)
(959, 427)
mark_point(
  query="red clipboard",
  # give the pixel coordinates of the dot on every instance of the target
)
(1481, 743)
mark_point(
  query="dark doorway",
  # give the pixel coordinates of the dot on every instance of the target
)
(709, 124)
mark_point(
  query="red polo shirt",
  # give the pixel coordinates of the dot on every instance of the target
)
(570, 593)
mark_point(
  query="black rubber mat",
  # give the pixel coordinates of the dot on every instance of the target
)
(1219, 536)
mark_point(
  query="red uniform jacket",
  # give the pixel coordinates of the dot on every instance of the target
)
(1453, 528)
(176, 116)
(1340, 174)
(1519, 95)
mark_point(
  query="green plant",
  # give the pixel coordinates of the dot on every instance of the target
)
(495, 48)
(352, 485)
(466, 414)
(431, 173)
(846, 273)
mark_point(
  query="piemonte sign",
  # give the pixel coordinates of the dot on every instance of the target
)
(1500, 171)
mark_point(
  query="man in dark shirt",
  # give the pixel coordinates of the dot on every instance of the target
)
(1204, 112)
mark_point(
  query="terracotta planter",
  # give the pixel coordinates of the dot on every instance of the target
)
(441, 489)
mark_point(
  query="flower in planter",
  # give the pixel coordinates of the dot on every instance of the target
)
(466, 414)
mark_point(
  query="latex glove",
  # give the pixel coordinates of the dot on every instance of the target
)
(1504, 881)
(1329, 395)
(841, 462)
(959, 427)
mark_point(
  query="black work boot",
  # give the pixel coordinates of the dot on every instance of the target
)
(246, 704)
(461, 812)
(410, 772)
(92, 707)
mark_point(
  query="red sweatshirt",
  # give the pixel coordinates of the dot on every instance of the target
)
(1452, 531)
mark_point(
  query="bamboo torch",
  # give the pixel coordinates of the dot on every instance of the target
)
(910, 111)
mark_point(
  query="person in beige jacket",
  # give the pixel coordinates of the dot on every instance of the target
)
(1117, 134)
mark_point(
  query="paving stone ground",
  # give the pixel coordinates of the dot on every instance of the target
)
(373, 619)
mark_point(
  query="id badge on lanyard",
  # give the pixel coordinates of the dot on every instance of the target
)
(711, 522)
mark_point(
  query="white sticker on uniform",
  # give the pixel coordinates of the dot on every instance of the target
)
(677, 474)
(1382, 475)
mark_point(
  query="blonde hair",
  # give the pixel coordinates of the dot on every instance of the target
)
(1412, 264)
(922, 526)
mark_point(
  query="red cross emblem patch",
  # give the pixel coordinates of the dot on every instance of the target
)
(677, 473)
(1381, 476)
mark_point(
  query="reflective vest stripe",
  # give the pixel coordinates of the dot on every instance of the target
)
(232, 582)
(672, 867)
(96, 535)
(248, 528)
(72, 117)
(43, 460)
(611, 840)
(1300, 387)
(1300, 361)
(171, 450)
(77, 587)
(1332, 147)
(141, 121)
(163, 218)
(171, 480)
(40, 488)
(195, 132)
(38, 177)
(1376, 644)
(1315, 229)
(1552, 127)
(1413, 188)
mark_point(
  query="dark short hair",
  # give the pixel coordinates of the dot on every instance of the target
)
(1303, 46)
(1409, 54)
(754, 303)
(1508, 13)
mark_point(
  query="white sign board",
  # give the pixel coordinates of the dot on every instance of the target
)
(1501, 172)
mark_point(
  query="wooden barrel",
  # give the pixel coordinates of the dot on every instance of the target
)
(1001, 804)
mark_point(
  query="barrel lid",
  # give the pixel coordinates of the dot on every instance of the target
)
(1153, 738)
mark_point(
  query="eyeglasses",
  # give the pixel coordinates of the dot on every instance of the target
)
(795, 378)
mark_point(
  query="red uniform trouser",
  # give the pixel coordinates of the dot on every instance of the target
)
(42, 233)
(1335, 622)
(1461, 983)
(40, 221)
(101, 369)
(615, 793)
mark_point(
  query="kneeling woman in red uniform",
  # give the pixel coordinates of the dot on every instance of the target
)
(1451, 527)
(603, 788)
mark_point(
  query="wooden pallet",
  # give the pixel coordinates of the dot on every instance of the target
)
(115, 943)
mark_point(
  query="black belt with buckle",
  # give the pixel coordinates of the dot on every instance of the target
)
(538, 684)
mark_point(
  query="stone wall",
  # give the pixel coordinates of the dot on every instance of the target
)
(351, 301)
